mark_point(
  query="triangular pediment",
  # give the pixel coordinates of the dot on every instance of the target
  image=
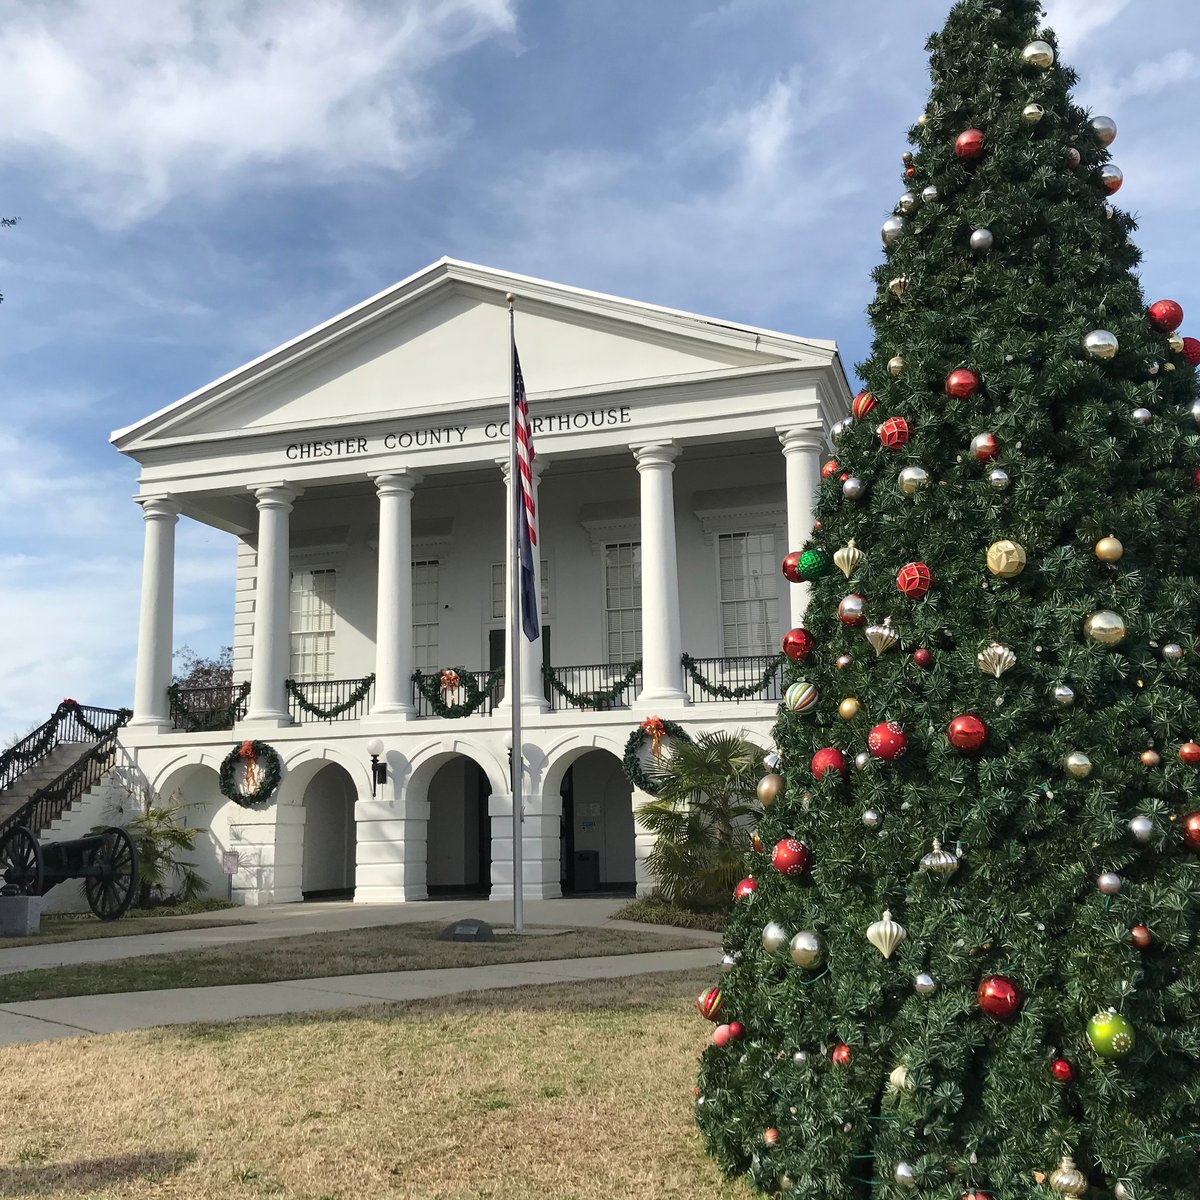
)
(439, 343)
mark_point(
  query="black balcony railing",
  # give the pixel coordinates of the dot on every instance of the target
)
(330, 699)
(476, 693)
(207, 709)
(713, 680)
(596, 687)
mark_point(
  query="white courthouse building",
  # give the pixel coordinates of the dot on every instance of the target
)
(361, 470)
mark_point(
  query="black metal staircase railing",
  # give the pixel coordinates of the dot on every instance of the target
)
(49, 803)
(70, 722)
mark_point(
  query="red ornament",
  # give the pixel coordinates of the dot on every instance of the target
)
(771, 1136)
(999, 997)
(1165, 315)
(1191, 831)
(969, 145)
(1196, 478)
(863, 403)
(736, 1030)
(841, 1055)
(977, 1195)
(984, 447)
(830, 469)
(887, 741)
(850, 609)
(1062, 1071)
(1141, 936)
(1191, 351)
(798, 644)
(894, 433)
(967, 733)
(745, 889)
(827, 760)
(709, 1003)
(962, 384)
(914, 580)
(791, 568)
(1189, 753)
(720, 1036)
(790, 857)
(909, 172)
(923, 658)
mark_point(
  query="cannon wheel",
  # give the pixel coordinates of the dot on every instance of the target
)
(110, 892)
(20, 864)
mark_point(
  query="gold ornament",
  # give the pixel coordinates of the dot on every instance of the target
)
(899, 286)
(1068, 1179)
(896, 366)
(923, 120)
(1078, 764)
(1175, 341)
(1109, 549)
(848, 709)
(1006, 559)
(1039, 54)
(807, 949)
(939, 861)
(883, 637)
(1031, 114)
(885, 935)
(770, 788)
(1105, 627)
(898, 1080)
(847, 558)
(996, 659)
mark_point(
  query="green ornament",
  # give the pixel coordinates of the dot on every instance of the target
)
(814, 564)
(1111, 1035)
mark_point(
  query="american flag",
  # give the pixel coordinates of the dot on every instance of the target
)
(527, 514)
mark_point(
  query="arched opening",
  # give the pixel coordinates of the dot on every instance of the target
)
(195, 792)
(329, 835)
(598, 840)
(459, 849)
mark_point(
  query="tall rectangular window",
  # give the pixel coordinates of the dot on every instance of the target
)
(623, 601)
(749, 593)
(311, 617)
(426, 606)
(500, 600)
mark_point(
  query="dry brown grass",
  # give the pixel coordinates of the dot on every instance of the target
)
(73, 929)
(575, 1091)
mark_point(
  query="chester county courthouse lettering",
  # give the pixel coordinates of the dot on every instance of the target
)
(361, 470)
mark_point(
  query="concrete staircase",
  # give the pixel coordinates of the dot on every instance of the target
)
(41, 773)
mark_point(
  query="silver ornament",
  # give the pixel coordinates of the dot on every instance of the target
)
(1172, 652)
(772, 761)
(1031, 114)
(862, 759)
(885, 934)
(774, 937)
(930, 194)
(1120, 1192)
(911, 480)
(1105, 130)
(728, 962)
(1077, 764)
(898, 286)
(939, 861)
(883, 637)
(999, 479)
(995, 660)
(872, 818)
(908, 203)
(1109, 212)
(982, 241)
(1141, 828)
(1109, 883)
(838, 430)
(904, 1175)
(853, 488)
(895, 366)
(898, 1079)
(1071, 157)
(1111, 177)
(1196, 412)
(1064, 695)
(1152, 368)
(807, 949)
(800, 1058)
(1100, 344)
(924, 984)
(1141, 416)
(894, 228)
(1039, 54)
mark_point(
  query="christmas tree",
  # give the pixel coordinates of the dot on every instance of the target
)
(964, 963)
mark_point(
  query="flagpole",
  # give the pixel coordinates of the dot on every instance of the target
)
(516, 758)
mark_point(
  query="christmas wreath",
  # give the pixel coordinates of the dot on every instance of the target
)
(652, 730)
(263, 771)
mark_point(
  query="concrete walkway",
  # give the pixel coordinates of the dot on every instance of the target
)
(78, 1016)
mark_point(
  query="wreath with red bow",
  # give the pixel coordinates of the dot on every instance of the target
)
(262, 771)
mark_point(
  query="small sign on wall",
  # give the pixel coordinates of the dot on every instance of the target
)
(588, 826)
(230, 863)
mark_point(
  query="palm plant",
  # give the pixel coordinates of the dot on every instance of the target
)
(162, 836)
(700, 818)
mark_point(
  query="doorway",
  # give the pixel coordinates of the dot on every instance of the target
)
(459, 850)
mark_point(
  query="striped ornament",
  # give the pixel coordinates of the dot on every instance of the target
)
(801, 697)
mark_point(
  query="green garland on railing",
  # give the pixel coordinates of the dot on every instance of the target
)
(212, 718)
(430, 686)
(720, 690)
(47, 735)
(631, 764)
(591, 699)
(97, 731)
(327, 714)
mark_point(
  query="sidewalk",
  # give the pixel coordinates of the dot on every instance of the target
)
(78, 1016)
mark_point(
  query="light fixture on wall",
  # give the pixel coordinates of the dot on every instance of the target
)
(378, 769)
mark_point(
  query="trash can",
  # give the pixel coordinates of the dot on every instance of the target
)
(587, 870)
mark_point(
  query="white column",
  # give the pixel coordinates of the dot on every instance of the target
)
(802, 450)
(269, 656)
(150, 706)
(393, 626)
(533, 692)
(662, 644)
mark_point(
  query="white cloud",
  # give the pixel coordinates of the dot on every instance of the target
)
(139, 103)
(1075, 20)
(1146, 79)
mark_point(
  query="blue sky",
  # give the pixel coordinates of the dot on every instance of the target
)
(207, 178)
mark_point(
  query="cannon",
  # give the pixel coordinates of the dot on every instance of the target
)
(106, 862)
